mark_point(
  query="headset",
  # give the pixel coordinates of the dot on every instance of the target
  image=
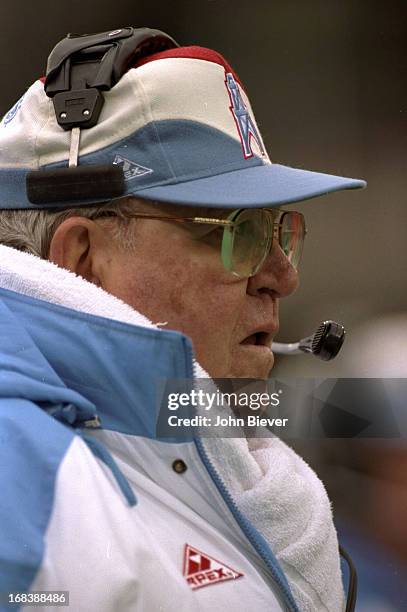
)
(79, 69)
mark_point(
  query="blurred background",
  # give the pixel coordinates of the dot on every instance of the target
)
(327, 81)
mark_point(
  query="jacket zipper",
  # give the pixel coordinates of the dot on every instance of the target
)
(284, 595)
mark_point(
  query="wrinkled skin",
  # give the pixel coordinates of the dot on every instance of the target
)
(170, 276)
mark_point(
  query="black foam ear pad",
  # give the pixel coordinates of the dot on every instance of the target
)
(69, 185)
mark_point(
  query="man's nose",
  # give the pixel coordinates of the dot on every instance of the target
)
(276, 276)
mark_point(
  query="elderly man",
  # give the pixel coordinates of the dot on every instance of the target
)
(171, 257)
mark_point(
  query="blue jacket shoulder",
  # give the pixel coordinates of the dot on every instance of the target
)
(32, 447)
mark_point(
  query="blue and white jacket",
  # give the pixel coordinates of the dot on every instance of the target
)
(91, 502)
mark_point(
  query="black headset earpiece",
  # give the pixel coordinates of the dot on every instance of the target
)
(79, 69)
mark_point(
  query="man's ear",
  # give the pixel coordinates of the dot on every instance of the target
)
(76, 245)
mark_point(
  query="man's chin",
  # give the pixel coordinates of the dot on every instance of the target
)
(252, 361)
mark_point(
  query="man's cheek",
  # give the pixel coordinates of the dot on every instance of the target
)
(182, 292)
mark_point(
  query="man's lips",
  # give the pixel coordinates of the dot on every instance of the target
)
(261, 337)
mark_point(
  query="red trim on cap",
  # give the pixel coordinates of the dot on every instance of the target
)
(193, 52)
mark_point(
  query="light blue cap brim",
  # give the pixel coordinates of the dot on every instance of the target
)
(258, 186)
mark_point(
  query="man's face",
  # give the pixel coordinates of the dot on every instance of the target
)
(175, 275)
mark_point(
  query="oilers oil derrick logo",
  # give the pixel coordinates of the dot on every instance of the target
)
(244, 123)
(201, 570)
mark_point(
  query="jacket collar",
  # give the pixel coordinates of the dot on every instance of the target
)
(79, 354)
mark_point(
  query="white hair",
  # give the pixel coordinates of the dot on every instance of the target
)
(32, 230)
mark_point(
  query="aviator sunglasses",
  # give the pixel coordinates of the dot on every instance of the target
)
(247, 236)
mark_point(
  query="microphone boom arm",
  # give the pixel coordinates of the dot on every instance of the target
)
(325, 343)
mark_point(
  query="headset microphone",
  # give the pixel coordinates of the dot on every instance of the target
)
(325, 343)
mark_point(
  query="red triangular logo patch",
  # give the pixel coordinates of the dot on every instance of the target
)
(201, 570)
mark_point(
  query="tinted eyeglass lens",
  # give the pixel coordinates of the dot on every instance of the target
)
(291, 236)
(248, 242)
